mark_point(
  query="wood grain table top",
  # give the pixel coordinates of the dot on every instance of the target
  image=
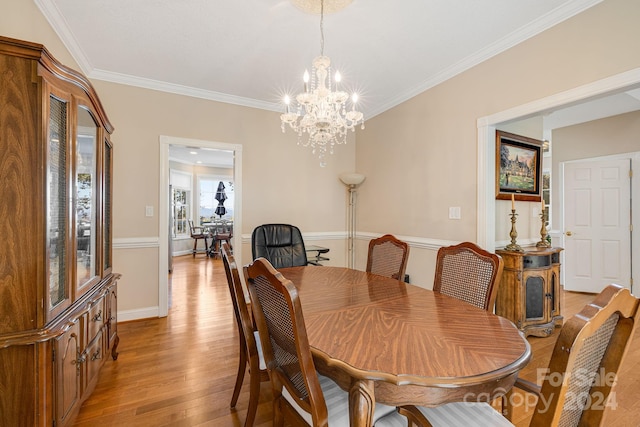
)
(400, 336)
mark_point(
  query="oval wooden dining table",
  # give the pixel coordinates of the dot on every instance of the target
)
(388, 341)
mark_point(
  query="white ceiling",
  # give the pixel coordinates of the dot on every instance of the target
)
(252, 52)
(598, 108)
(201, 156)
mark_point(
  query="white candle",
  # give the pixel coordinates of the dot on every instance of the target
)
(513, 202)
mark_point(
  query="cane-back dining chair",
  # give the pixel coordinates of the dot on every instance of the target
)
(281, 244)
(469, 273)
(250, 348)
(299, 393)
(199, 233)
(577, 384)
(388, 257)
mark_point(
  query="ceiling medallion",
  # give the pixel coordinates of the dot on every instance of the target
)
(314, 6)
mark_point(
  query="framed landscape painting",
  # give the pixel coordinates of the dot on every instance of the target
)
(518, 167)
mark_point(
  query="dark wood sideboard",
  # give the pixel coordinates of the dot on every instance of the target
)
(58, 293)
(529, 291)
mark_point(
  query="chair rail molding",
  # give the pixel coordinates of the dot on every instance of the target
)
(413, 241)
(136, 242)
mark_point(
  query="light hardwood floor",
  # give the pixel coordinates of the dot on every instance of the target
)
(180, 370)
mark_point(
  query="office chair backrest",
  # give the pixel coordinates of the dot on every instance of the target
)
(280, 244)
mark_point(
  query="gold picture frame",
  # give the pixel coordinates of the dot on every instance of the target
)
(518, 167)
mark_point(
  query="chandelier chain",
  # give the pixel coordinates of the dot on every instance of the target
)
(321, 28)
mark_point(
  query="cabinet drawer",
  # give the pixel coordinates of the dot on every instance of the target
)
(93, 356)
(537, 261)
(95, 318)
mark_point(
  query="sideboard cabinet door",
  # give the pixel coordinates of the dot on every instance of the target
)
(68, 362)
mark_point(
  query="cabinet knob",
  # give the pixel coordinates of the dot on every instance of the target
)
(568, 233)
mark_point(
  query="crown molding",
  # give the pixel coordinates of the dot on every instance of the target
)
(59, 25)
(52, 14)
(536, 27)
(193, 92)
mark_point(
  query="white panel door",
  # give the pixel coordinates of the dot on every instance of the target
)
(597, 224)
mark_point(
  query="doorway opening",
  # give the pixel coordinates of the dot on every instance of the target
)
(164, 205)
(486, 229)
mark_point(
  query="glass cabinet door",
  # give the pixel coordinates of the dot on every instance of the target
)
(106, 206)
(85, 200)
(57, 222)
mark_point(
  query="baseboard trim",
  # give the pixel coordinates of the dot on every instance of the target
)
(137, 314)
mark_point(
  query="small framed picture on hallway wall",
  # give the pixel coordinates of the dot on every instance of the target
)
(518, 167)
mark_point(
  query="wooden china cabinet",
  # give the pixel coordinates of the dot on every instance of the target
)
(58, 293)
(529, 291)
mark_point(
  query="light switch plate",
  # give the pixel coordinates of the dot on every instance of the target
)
(454, 212)
(148, 210)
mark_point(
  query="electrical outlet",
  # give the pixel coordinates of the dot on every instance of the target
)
(148, 211)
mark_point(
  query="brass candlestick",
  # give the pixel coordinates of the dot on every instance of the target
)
(513, 246)
(543, 243)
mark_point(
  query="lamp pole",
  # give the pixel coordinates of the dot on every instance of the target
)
(352, 224)
(351, 180)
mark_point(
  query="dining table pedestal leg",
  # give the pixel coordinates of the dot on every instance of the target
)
(361, 403)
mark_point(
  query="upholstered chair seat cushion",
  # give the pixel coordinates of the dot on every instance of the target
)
(468, 414)
(337, 401)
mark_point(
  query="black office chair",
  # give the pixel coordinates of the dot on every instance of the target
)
(281, 244)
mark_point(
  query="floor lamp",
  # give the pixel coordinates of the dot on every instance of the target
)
(352, 180)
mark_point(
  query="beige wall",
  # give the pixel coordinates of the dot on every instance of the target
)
(613, 135)
(419, 157)
(423, 152)
(21, 19)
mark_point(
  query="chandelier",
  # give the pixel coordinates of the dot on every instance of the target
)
(321, 110)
